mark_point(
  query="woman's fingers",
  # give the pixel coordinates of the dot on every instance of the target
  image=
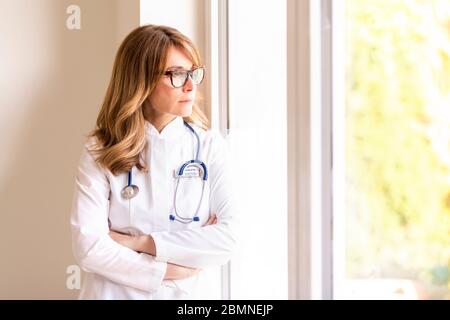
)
(211, 220)
(207, 222)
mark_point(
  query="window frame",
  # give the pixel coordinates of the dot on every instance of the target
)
(216, 57)
(310, 163)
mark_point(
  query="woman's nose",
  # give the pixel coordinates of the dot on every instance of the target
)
(189, 85)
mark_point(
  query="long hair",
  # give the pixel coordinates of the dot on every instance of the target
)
(138, 66)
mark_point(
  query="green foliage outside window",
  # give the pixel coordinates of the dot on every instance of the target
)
(398, 141)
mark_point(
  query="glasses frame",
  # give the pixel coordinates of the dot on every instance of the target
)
(189, 73)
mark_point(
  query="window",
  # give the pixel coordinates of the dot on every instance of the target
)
(257, 137)
(391, 149)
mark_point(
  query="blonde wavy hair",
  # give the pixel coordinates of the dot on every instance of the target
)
(138, 66)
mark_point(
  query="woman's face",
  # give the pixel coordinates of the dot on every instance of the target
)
(165, 99)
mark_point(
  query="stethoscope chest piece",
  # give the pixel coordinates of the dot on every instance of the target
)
(131, 190)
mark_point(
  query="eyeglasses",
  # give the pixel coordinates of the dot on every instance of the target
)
(178, 78)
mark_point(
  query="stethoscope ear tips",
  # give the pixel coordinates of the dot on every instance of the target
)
(196, 219)
(171, 217)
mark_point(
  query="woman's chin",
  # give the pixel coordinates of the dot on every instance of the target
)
(185, 111)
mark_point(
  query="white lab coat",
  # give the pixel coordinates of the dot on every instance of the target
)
(116, 272)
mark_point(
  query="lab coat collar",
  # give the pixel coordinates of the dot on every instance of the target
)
(172, 130)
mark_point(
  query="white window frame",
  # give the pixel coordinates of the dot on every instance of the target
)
(309, 152)
(338, 146)
(216, 57)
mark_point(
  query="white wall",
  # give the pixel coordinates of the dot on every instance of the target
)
(52, 83)
(185, 15)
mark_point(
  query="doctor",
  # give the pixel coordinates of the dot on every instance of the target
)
(152, 207)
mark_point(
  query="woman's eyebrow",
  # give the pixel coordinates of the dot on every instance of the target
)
(178, 68)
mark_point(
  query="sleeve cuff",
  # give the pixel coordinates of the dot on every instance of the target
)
(161, 252)
(157, 272)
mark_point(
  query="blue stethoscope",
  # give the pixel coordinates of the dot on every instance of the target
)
(189, 169)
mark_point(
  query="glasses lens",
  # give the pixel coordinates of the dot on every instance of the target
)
(197, 75)
(179, 78)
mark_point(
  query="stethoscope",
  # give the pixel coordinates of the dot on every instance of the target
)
(189, 169)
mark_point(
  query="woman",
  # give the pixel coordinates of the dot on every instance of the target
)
(146, 221)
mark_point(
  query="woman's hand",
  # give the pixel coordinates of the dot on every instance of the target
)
(211, 220)
(177, 272)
